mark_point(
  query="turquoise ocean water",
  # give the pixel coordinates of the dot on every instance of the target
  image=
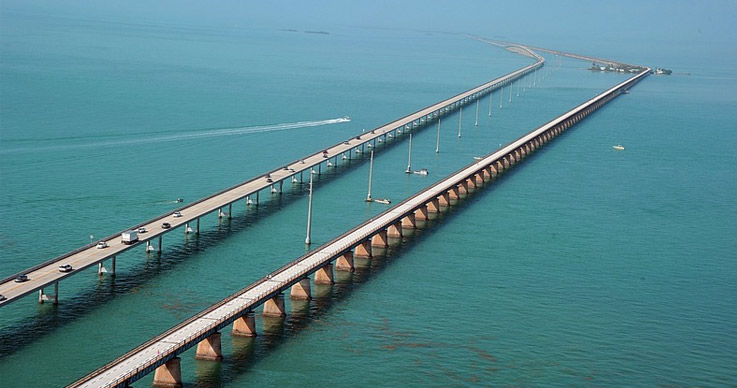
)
(584, 267)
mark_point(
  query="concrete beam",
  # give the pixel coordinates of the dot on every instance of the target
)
(345, 262)
(380, 240)
(409, 221)
(274, 307)
(245, 326)
(363, 249)
(432, 207)
(395, 229)
(324, 275)
(209, 348)
(301, 290)
(421, 213)
(169, 375)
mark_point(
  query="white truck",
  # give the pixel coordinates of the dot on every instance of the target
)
(129, 237)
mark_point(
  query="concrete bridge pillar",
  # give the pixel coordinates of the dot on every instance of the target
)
(345, 262)
(471, 182)
(324, 275)
(274, 307)
(409, 221)
(363, 249)
(433, 206)
(42, 296)
(486, 174)
(454, 193)
(493, 171)
(421, 213)
(245, 326)
(380, 240)
(301, 290)
(169, 375)
(506, 163)
(499, 167)
(444, 199)
(209, 348)
(517, 155)
(395, 229)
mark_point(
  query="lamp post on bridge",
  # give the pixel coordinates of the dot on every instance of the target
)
(309, 214)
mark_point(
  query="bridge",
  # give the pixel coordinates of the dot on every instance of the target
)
(47, 274)
(161, 353)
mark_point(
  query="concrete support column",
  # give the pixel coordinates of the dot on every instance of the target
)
(409, 221)
(100, 269)
(421, 213)
(42, 296)
(159, 244)
(444, 199)
(274, 307)
(470, 183)
(395, 229)
(433, 206)
(345, 262)
(506, 162)
(112, 265)
(197, 230)
(209, 348)
(230, 210)
(517, 155)
(454, 193)
(380, 240)
(301, 290)
(363, 249)
(245, 326)
(169, 375)
(324, 275)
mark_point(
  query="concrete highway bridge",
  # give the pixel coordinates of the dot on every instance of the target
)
(161, 354)
(46, 275)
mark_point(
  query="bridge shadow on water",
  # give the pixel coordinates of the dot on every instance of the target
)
(33, 324)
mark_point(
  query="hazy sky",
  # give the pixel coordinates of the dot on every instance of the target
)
(659, 19)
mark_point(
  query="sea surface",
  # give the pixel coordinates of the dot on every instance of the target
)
(583, 266)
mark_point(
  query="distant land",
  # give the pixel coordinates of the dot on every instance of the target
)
(306, 32)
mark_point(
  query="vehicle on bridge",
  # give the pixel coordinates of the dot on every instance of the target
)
(102, 245)
(21, 278)
(129, 237)
(65, 268)
(165, 225)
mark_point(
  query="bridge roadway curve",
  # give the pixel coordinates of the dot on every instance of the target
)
(156, 352)
(47, 273)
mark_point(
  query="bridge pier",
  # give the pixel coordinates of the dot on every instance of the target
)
(42, 297)
(301, 290)
(421, 213)
(454, 193)
(245, 326)
(169, 375)
(324, 275)
(395, 229)
(274, 307)
(433, 206)
(345, 262)
(210, 348)
(444, 199)
(363, 249)
(409, 221)
(380, 240)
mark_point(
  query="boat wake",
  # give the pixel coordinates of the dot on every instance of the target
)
(195, 134)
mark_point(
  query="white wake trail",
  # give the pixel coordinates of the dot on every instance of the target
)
(182, 136)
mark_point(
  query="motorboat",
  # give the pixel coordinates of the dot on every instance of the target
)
(385, 201)
(420, 172)
(618, 147)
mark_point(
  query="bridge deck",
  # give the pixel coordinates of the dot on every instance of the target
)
(47, 273)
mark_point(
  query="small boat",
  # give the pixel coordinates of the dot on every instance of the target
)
(477, 158)
(346, 118)
(385, 201)
(380, 140)
(390, 136)
(294, 179)
(344, 157)
(273, 190)
(421, 172)
(618, 147)
(180, 199)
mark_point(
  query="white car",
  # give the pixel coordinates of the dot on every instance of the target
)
(177, 214)
(142, 230)
(65, 268)
(102, 245)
